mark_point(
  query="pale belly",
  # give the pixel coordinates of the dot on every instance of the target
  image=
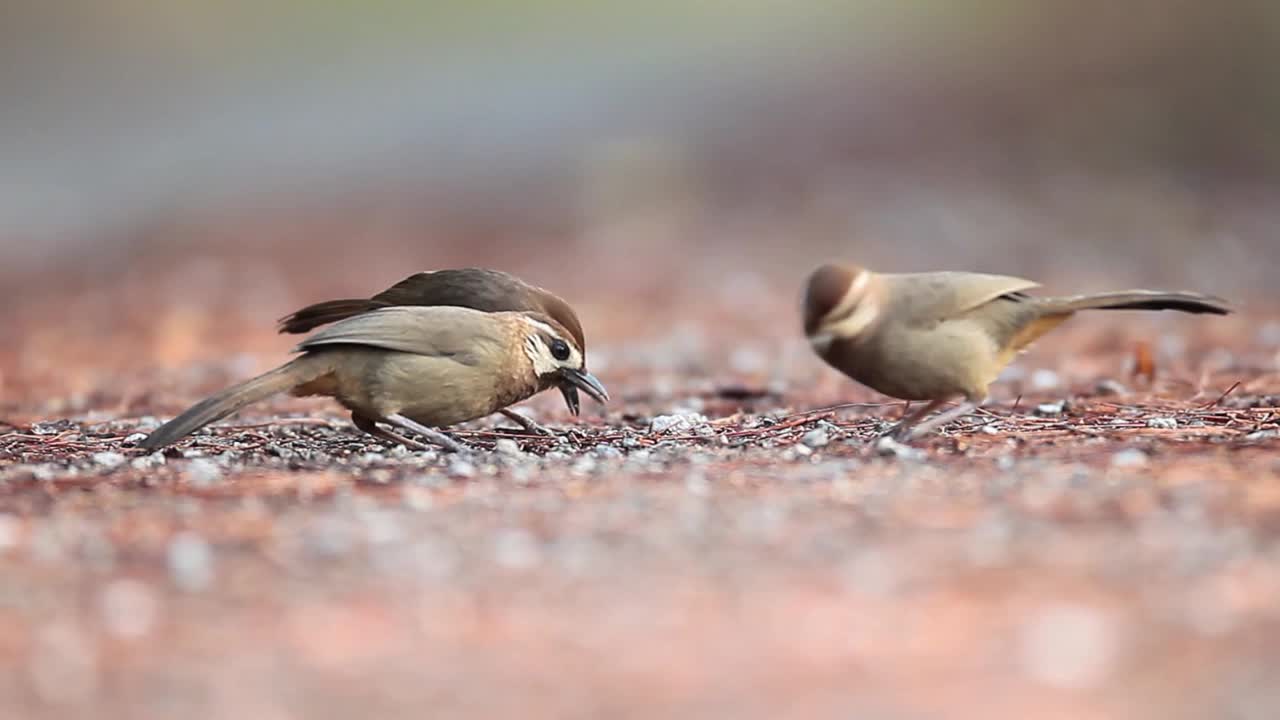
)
(954, 358)
(433, 391)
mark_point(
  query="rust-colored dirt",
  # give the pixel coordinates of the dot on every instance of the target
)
(1116, 556)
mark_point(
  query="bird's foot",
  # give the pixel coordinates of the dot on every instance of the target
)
(435, 436)
(528, 424)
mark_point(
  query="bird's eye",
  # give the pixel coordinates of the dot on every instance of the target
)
(560, 350)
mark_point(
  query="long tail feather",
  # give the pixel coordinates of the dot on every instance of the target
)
(214, 408)
(1142, 300)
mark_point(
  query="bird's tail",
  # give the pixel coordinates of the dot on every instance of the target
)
(296, 372)
(1140, 300)
(323, 313)
(1057, 310)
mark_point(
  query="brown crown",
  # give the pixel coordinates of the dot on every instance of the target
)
(826, 288)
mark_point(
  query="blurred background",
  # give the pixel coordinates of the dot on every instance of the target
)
(162, 159)
(1058, 136)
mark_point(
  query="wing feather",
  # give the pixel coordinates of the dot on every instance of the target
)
(455, 333)
(930, 298)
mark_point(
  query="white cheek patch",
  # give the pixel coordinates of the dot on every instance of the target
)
(863, 317)
(852, 295)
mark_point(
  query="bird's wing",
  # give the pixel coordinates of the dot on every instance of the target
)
(478, 288)
(459, 334)
(930, 298)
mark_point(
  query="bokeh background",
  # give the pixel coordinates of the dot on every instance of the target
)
(176, 175)
(343, 140)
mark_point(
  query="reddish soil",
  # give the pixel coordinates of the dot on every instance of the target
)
(1116, 556)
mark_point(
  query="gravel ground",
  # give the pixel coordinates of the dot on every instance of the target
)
(725, 539)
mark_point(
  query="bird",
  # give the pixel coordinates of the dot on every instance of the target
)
(415, 368)
(482, 289)
(939, 336)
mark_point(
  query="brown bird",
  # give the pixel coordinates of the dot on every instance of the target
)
(476, 288)
(417, 368)
(943, 335)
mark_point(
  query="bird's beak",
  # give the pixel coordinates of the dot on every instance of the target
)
(573, 379)
(570, 393)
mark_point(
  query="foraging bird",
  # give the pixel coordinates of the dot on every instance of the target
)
(417, 368)
(941, 335)
(475, 288)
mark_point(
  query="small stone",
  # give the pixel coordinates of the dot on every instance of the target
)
(148, 462)
(676, 423)
(1110, 387)
(129, 608)
(109, 460)
(516, 550)
(696, 483)
(1052, 409)
(606, 452)
(51, 427)
(989, 429)
(1129, 458)
(816, 438)
(190, 562)
(135, 438)
(508, 447)
(888, 447)
(45, 472)
(1045, 379)
(1069, 646)
(1262, 435)
(1163, 423)
(10, 531)
(203, 473)
(461, 469)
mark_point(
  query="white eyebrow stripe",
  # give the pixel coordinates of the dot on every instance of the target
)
(858, 321)
(539, 325)
(852, 295)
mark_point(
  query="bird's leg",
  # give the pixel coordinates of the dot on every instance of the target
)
(527, 423)
(942, 418)
(364, 423)
(900, 430)
(434, 436)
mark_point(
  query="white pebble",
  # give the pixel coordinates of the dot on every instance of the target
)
(1163, 423)
(888, 447)
(109, 460)
(1051, 409)
(696, 483)
(10, 531)
(461, 469)
(676, 423)
(129, 608)
(203, 472)
(516, 550)
(1045, 379)
(1129, 458)
(507, 446)
(1111, 387)
(1069, 646)
(190, 562)
(816, 438)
